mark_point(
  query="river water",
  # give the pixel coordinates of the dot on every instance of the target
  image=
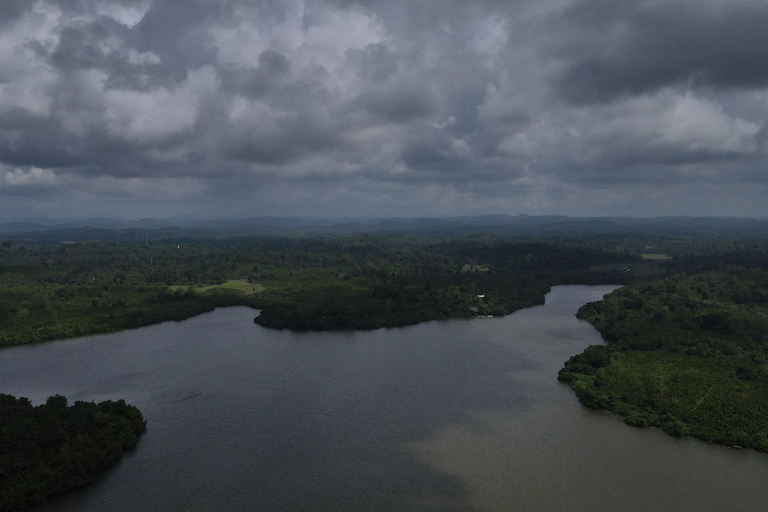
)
(457, 415)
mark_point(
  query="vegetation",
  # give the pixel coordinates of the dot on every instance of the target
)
(53, 448)
(56, 289)
(401, 300)
(49, 292)
(688, 354)
(354, 282)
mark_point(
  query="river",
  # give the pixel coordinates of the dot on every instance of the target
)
(456, 415)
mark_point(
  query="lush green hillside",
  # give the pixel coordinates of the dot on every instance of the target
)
(688, 354)
(53, 448)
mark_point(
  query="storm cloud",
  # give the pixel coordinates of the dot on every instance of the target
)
(135, 108)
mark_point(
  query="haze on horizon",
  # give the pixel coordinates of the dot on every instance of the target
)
(343, 108)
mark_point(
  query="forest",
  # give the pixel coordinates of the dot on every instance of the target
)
(52, 291)
(54, 448)
(687, 354)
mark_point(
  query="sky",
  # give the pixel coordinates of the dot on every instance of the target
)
(402, 108)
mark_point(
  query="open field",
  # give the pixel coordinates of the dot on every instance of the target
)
(233, 284)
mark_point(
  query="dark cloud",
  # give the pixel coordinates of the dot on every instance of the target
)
(256, 81)
(10, 10)
(355, 107)
(399, 101)
(636, 47)
(109, 46)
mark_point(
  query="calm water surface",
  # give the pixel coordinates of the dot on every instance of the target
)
(459, 415)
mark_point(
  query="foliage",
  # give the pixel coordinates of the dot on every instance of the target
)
(50, 291)
(348, 282)
(688, 354)
(370, 303)
(53, 448)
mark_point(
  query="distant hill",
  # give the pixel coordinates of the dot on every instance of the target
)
(12, 227)
(155, 229)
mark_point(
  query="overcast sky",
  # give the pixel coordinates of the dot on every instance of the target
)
(234, 108)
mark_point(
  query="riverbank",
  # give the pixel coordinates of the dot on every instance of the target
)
(687, 354)
(352, 305)
(339, 283)
(399, 302)
(124, 309)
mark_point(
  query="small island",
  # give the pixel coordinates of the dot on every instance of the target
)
(54, 448)
(687, 354)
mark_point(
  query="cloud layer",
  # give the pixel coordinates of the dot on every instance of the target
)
(340, 108)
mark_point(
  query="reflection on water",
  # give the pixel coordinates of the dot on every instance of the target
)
(460, 415)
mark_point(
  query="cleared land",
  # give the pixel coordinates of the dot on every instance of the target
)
(233, 284)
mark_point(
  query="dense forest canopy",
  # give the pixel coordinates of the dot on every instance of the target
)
(54, 290)
(54, 448)
(688, 353)
(341, 282)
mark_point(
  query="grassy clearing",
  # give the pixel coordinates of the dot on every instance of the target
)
(233, 284)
